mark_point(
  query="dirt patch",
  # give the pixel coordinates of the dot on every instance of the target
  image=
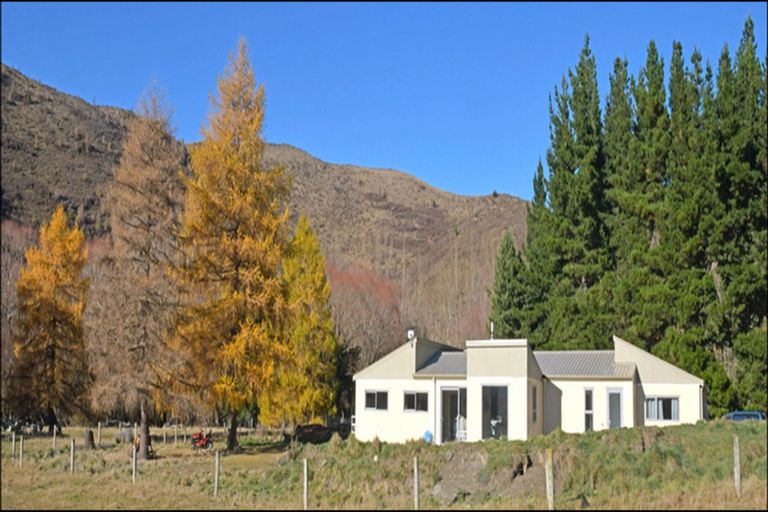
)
(459, 472)
(465, 474)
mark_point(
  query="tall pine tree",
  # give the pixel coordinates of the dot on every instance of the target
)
(509, 299)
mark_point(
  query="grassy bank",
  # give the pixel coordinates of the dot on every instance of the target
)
(675, 467)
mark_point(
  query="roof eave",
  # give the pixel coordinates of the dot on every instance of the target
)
(590, 377)
(439, 375)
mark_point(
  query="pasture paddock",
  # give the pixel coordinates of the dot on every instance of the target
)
(675, 467)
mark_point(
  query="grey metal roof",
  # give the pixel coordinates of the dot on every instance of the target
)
(445, 363)
(582, 363)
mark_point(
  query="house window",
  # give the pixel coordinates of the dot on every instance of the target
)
(588, 411)
(534, 407)
(662, 408)
(414, 401)
(494, 412)
(376, 400)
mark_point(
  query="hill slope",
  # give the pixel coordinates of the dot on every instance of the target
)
(426, 254)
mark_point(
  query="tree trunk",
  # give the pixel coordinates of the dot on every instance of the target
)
(88, 441)
(144, 429)
(52, 421)
(232, 434)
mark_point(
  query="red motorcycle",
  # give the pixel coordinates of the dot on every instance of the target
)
(202, 442)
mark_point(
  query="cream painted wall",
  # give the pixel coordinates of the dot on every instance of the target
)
(534, 379)
(517, 404)
(398, 364)
(501, 361)
(395, 425)
(572, 403)
(650, 368)
(689, 401)
(552, 406)
(535, 428)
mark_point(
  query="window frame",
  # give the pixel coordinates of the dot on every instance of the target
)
(415, 395)
(376, 393)
(505, 403)
(534, 404)
(657, 408)
(591, 411)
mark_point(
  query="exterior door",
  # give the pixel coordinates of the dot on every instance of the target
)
(450, 410)
(454, 414)
(614, 409)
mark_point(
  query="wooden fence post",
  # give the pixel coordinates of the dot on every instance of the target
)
(135, 429)
(13, 444)
(163, 435)
(216, 474)
(175, 434)
(133, 463)
(98, 435)
(54, 437)
(306, 485)
(736, 466)
(185, 435)
(415, 483)
(72, 456)
(21, 450)
(550, 481)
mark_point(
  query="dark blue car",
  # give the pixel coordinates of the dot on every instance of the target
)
(744, 415)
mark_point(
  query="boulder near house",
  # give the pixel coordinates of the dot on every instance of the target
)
(502, 389)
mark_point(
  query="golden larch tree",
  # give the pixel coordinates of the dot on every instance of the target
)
(305, 383)
(233, 232)
(50, 375)
(134, 300)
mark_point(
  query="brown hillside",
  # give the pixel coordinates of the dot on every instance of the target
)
(432, 251)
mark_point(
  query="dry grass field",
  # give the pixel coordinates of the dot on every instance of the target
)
(686, 467)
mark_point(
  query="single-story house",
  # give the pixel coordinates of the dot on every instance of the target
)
(503, 389)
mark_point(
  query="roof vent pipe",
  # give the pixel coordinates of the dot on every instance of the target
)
(491, 329)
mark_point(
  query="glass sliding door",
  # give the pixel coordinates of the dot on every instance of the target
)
(495, 412)
(454, 414)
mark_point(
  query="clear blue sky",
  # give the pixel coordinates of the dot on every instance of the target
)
(455, 94)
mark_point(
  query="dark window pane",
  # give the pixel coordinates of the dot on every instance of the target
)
(381, 400)
(410, 402)
(370, 400)
(494, 412)
(588, 400)
(588, 422)
(665, 409)
(421, 402)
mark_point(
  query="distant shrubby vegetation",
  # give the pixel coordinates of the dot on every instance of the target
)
(651, 220)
